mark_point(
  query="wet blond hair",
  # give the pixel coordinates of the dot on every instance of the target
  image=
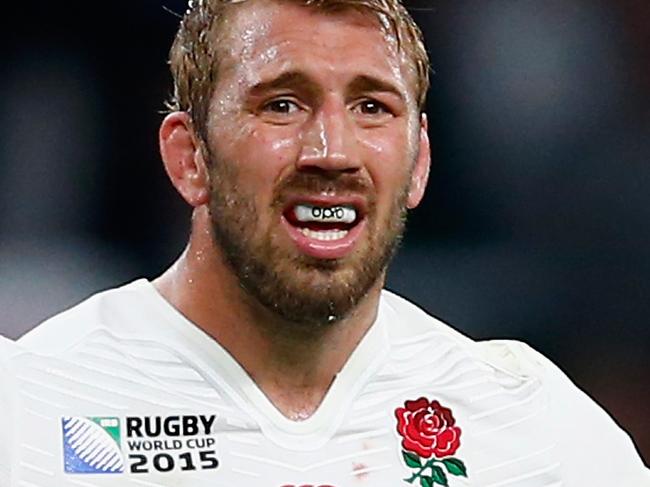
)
(195, 54)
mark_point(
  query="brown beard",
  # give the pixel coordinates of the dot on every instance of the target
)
(298, 288)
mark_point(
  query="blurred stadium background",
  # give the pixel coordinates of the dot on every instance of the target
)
(536, 224)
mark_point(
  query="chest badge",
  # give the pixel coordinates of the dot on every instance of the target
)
(430, 438)
(92, 445)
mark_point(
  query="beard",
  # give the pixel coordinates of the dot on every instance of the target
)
(298, 288)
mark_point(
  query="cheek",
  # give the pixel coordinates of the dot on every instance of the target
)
(388, 155)
(374, 144)
(271, 151)
(283, 145)
(261, 156)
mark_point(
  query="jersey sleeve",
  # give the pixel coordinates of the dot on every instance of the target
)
(595, 450)
(7, 349)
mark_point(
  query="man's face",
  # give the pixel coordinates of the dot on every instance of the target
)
(313, 138)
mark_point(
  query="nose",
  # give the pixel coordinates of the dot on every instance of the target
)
(328, 141)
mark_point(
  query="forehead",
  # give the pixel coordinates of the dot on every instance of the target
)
(262, 36)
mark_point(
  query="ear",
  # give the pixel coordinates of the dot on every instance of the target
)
(420, 174)
(183, 158)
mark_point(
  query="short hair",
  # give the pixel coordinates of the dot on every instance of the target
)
(194, 56)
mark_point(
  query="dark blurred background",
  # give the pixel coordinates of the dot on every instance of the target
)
(535, 226)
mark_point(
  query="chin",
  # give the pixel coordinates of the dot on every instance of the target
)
(314, 297)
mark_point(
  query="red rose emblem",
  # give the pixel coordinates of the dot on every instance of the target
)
(427, 428)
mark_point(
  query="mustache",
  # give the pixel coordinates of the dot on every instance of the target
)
(323, 182)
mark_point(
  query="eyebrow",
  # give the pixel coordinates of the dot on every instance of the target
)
(290, 79)
(366, 83)
(298, 79)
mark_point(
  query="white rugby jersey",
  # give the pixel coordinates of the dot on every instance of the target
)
(122, 390)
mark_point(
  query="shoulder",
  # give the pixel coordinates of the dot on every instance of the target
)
(8, 351)
(111, 310)
(7, 348)
(511, 357)
(585, 433)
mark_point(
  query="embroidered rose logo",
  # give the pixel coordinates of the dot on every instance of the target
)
(430, 438)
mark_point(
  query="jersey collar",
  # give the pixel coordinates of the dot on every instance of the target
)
(231, 379)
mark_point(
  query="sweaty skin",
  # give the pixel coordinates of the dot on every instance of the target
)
(307, 105)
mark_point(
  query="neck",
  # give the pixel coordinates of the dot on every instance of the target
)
(293, 364)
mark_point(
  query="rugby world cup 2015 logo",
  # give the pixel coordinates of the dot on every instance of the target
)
(91, 445)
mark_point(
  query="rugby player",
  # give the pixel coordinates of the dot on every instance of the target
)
(269, 353)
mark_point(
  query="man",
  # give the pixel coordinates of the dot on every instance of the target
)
(269, 354)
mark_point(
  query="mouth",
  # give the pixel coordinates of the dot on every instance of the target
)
(327, 227)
